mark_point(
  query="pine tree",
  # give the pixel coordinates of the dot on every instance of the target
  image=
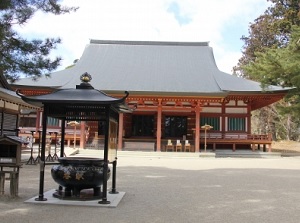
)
(270, 30)
(20, 56)
(264, 61)
(281, 67)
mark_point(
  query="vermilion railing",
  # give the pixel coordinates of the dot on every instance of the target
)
(237, 136)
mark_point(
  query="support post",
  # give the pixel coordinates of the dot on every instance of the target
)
(37, 122)
(114, 178)
(105, 166)
(2, 182)
(38, 158)
(42, 162)
(74, 136)
(120, 133)
(205, 145)
(55, 156)
(62, 137)
(206, 127)
(14, 183)
(31, 159)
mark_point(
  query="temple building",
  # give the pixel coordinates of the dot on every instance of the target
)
(11, 107)
(179, 98)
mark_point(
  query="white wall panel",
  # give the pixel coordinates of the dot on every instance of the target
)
(211, 110)
(236, 110)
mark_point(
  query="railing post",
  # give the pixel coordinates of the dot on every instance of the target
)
(270, 136)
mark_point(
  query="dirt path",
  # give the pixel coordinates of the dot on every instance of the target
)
(286, 146)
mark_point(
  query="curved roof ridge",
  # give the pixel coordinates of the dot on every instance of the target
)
(159, 43)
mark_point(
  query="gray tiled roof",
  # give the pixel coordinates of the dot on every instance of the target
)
(179, 68)
(12, 97)
(8, 95)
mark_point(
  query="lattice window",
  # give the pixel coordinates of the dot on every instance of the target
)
(236, 124)
(9, 124)
(52, 121)
(212, 121)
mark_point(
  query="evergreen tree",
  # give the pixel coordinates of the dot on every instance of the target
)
(281, 67)
(270, 30)
(260, 61)
(20, 56)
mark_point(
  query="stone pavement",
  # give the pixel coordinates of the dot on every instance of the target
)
(175, 189)
(208, 154)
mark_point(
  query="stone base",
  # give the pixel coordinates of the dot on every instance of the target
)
(113, 198)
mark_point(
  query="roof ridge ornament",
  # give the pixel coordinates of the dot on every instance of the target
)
(85, 79)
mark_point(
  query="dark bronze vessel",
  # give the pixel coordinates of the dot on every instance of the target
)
(78, 173)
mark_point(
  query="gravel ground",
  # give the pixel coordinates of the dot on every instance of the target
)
(175, 190)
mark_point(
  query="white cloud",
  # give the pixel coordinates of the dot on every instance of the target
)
(149, 20)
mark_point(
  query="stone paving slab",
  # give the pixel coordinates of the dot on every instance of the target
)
(113, 198)
(185, 155)
(247, 154)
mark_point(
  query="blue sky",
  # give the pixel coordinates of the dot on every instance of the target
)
(181, 18)
(221, 22)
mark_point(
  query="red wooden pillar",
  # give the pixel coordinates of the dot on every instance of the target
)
(120, 133)
(248, 119)
(270, 145)
(223, 121)
(82, 135)
(158, 127)
(37, 122)
(197, 130)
